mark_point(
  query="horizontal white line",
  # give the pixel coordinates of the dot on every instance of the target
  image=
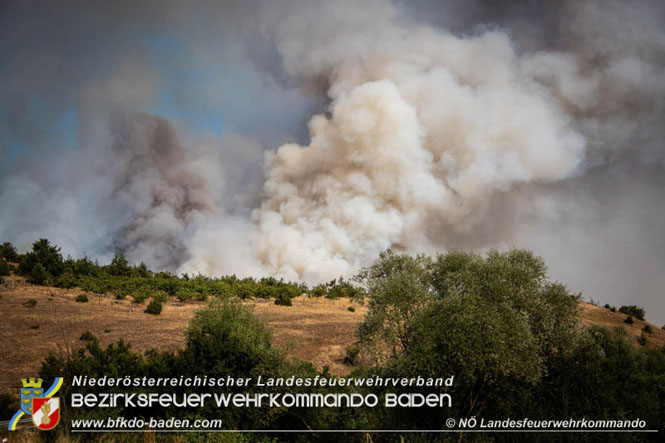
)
(319, 431)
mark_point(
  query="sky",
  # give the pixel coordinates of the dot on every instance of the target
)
(300, 138)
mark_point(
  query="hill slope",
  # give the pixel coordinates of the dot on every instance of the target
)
(313, 329)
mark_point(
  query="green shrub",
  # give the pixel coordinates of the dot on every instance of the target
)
(87, 336)
(642, 340)
(351, 356)
(351, 309)
(633, 310)
(35, 326)
(82, 298)
(611, 308)
(283, 298)
(647, 329)
(5, 269)
(629, 320)
(154, 307)
(67, 280)
(160, 296)
(30, 303)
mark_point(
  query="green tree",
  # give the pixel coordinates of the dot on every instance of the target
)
(634, 311)
(39, 275)
(119, 266)
(4, 267)
(45, 254)
(8, 252)
(490, 321)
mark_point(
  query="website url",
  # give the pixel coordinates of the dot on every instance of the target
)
(122, 423)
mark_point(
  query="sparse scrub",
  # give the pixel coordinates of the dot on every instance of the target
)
(351, 309)
(30, 303)
(82, 298)
(647, 329)
(629, 320)
(611, 308)
(633, 310)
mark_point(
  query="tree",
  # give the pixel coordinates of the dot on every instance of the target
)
(119, 266)
(39, 275)
(45, 254)
(8, 252)
(634, 311)
(4, 267)
(490, 320)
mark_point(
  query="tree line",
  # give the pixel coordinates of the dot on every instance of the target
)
(509, 335)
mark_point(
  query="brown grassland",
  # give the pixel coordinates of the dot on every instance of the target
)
(313, 329)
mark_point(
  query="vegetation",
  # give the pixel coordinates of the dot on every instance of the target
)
(5, 269)
(634, 311)
(154, 307)
(8, 252)
(611, 308)
(629, 320)
(82, 298)
(506, 332)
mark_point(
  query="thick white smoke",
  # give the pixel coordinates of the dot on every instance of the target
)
(425, 128)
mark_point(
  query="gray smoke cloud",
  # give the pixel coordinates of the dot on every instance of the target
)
(359, 126)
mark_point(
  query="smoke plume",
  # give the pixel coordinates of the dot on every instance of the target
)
(301, 138)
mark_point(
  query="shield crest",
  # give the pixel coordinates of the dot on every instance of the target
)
(46, 412)
(27, 394)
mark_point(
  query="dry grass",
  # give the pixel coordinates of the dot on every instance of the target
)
(591, 314)
(316, 330)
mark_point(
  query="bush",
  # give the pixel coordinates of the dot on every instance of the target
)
(4, 267)
(642, 340)
(283, 298)
(87, 336)
(67, 280)
(351, 356)
(611, 308)
(35, 326)
(351, 309)
(647, 329)
(154, 307)
(82, 298)
(634, 311)
(629, 320)
(30, 303)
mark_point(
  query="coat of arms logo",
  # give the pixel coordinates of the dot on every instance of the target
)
(42, 406)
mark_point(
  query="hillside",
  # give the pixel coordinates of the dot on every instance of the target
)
(313, 329)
